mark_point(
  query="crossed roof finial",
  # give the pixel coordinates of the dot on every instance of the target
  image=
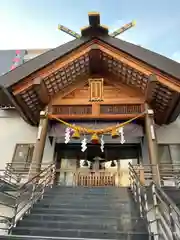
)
(95, 28)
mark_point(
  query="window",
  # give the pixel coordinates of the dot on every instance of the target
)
(22, 157)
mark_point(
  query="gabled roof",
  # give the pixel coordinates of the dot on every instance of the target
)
(156, 60)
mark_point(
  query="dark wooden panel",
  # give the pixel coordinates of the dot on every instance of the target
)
(72, 110)
(120, 109)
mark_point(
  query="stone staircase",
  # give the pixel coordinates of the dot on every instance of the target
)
(83, 213)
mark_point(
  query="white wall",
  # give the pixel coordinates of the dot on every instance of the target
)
(13, 130)
(169, 134)
(48, 151)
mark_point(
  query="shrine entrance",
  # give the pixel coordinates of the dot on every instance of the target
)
(96, 179)
(93, 167)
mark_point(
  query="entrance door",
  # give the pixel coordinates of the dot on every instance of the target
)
(70, 172)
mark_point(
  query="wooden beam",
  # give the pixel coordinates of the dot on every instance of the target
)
(100, 116)
(81, 101)
(139, 66)
(41, 90)
(95, 109)
(151, 85)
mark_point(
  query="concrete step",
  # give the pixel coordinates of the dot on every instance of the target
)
(122, 224)
(25, 237)
(72, 233)
(92, 212)
(83, 205)
(80, 191)
(82, 200)
(73, 217)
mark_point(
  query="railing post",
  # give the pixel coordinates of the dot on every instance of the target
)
(172, 225)
(155, 203)
(140, 199)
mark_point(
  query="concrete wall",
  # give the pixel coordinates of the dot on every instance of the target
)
(169, 134)
(15, 130)
(6, 59)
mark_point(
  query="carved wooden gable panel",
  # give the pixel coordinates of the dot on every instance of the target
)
(96, 89)
(99, 91)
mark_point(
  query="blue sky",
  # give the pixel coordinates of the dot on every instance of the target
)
(33, 23)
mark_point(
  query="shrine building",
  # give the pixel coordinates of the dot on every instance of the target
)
(91, 106)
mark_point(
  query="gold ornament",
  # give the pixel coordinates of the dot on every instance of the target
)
(76, 135)
(114, 133)
(94, 138)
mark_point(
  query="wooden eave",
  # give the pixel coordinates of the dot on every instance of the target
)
(34, 83)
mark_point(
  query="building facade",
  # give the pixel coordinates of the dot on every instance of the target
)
(93, 83)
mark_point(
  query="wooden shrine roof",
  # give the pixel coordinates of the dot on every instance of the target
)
(156, 60)
(82, 56)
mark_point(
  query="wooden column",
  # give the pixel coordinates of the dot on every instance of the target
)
(39, 145)
(152, 142)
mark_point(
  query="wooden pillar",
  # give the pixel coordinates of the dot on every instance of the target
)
(39, 145)
(152, 142)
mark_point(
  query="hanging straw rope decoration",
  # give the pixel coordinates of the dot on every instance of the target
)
(84, 130)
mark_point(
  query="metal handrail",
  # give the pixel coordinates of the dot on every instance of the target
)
(140, 195)
(170, 212)
(28, 194)
(160, 200)
(9, 176)
(24, 171)
(168, 200)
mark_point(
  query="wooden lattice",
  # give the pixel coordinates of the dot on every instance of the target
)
(125, 73)
(161, 97)
(62, 78)
(31, 99)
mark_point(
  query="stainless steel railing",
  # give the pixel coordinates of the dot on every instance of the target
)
(140, 194)
(23, 199)
(166, 213)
